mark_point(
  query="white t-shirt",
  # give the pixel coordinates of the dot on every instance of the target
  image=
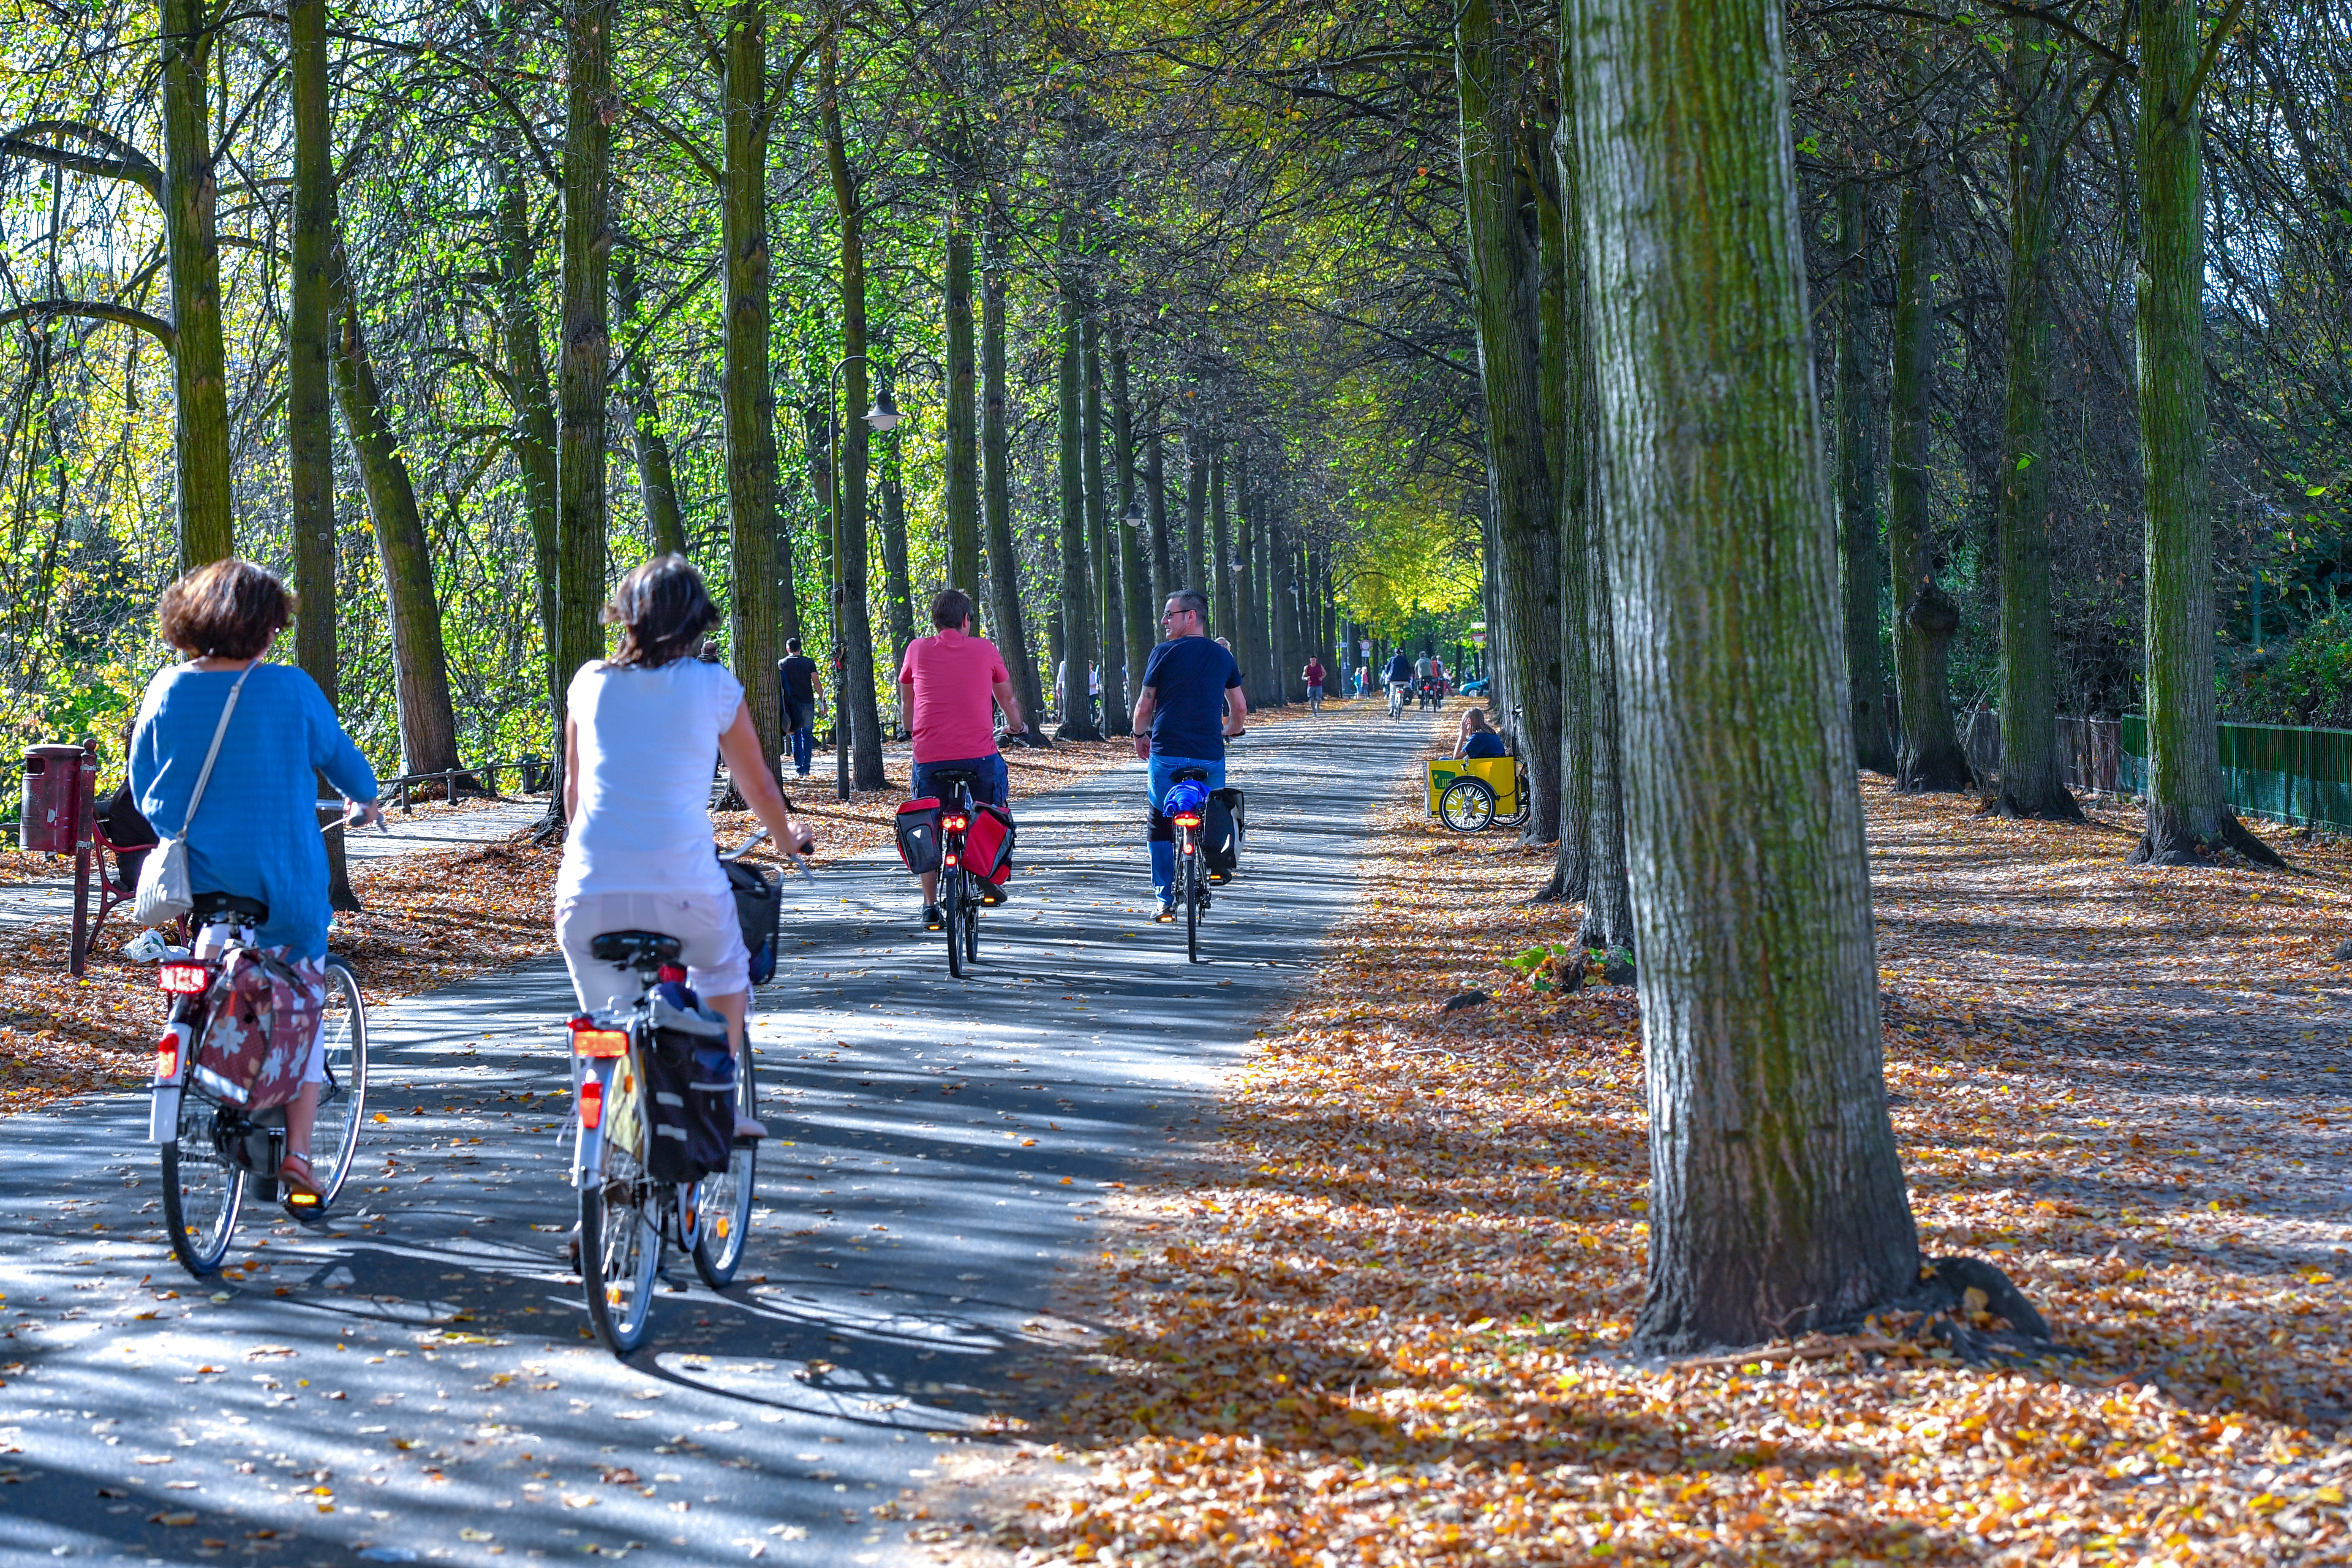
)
(648, 741)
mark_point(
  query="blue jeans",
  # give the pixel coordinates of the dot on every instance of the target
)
(1163, 776)
(988, 778)
(799, 719)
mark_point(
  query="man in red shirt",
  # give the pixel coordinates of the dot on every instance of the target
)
(950, 683)
(1313, 672)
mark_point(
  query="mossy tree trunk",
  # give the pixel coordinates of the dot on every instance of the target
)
(1010, 631)
(960, 455)
(1500, 210)
(583, 359)
(1134, 582)
(1857, 489)
(2030, 785)
(1221, 585)
(189, 196)
(657, 476)
(1928, 752)
(757, 580)
(1194, 573)
(525, 381)
(854, 692)
(1102, 550)
(309, 380)
(1568, 396)
(1155, 517)
(1776, 1199)
(1252, 646)
(897, 590)
(1077, 596)
(2188, 816)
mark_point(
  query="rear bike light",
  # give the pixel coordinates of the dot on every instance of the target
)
(181, 979)
(672, 975)
(1186, 821)
(955, 824)
(600, 1043)
(949, 861)
(592, 1104)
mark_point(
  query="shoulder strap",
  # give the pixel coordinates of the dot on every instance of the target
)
(196, 796)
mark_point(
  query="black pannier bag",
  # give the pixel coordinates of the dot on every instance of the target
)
(918, 835)
(689, 1113)
(760, 908)
(1222, 829)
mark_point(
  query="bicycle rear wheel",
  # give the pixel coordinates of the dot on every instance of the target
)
(342, 1100)
(1192, 874)
(203, 1193)
(722, 1203)
(971, 921)
(620, 1251)
(956, 916)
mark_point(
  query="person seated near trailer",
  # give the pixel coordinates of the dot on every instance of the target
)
(951, 684)
(1478, 737)
(640, 854)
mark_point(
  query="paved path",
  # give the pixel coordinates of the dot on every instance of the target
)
(48, 898)
(423, 1372)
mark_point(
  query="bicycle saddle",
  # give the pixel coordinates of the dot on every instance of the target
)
(212, 907)
(1198, 775)
(944, 782)
(634, 949)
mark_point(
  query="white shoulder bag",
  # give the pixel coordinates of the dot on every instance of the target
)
(163, 892)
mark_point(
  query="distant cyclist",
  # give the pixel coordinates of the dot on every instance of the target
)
(953, 683)
(1398, 678)
(1190, 705)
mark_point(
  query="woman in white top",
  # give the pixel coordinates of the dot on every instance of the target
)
(644, 726)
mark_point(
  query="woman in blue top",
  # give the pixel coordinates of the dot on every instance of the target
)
(255, 830)
(1478, 738)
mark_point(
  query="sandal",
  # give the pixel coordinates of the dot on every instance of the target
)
(294, 1174)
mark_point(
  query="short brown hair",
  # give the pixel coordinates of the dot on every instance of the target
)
(951, 607)
(662, 609)
(225, 609)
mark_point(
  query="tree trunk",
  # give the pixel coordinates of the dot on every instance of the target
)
(1078, 598)
(309, 384)
(534, 435)
(1222, 584)
(1929, 756)
(192, 249)
(1857, 494)
(1776, 1200)
(853, 637)
(1608, 890)
(753, 636)
(961, 452)
(1111, 620)
(897, 591)
(1135, 588)
(657, 480)
(1155, 507)
(584, 359)
(2188, 816)
(1197, 467)
(1251, 637)
(428, 725)
(1012, 636)
(2030, 785)
(1499, 209)
(1566, 370)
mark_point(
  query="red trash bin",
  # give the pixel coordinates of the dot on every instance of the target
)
(60, 799)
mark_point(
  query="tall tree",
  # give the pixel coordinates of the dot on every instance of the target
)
(1928, 756)
(1197, 467)
(853, 627)
(657, 476)
(309, 388)
(2030, 785)
(1498, 208)
(961, 456)
(1077, 593)
(996, 481)
(1155, 509)
(189, 196)
(584, 362)
(1135, 587)
(1110, 619)
(523, 378)
(2188, 816)
(1857, 491)
(1776, 1200)
(1222, 582)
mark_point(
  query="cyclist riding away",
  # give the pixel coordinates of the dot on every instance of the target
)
(1314, 673)
(796, 672)
(1190, 706)
(639, 856)
(1398, 679)
(947, 682)
(256, 829)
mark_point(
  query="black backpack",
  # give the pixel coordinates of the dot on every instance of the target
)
(760, 908)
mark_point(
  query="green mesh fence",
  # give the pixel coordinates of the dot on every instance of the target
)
(2302, 777)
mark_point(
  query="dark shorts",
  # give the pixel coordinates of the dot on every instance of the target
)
(988, 778)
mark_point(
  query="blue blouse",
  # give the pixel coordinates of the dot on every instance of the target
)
(257, 830)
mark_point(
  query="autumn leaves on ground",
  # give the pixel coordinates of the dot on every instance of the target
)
(1382, 1321)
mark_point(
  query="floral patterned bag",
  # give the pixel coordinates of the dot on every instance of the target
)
(264, 1017)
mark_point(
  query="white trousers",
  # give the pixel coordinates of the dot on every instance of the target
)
(710, 942)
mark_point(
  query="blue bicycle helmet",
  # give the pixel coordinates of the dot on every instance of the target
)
(1187, 797)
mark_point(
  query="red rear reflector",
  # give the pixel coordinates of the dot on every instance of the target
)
(955, 824)
(600, 1043)
(672, 973)
(167, 1056)
(181, 979)
(592, 1103)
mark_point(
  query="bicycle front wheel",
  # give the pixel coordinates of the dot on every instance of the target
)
(620, 1251)
(203, 1193)
(342, 1099)
(722, 1205)
(957, 917)
(1468, 806)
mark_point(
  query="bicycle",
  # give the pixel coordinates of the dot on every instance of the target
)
(626, 1217)
(960, 890)
(213, 1148)
(1187, 808)
(1396, 698)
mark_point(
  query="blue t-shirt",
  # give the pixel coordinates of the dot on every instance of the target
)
(257, 830)
(1483, 744)
(1400, 670)
(1189, 677)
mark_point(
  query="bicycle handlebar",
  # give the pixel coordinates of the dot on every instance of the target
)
(759, 837)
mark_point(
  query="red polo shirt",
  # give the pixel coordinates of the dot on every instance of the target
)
(953, 711)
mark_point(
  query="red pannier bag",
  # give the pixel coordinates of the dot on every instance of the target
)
(988, 843)
(918, 835)
(257, 1040)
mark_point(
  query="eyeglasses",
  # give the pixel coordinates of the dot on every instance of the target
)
(1178, 615)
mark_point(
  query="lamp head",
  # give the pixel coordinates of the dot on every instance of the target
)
(1134, 518)
(884, 414)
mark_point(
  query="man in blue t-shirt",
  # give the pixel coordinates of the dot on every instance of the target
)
(1189, 705)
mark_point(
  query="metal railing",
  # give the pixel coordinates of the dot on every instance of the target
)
(532, 774)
